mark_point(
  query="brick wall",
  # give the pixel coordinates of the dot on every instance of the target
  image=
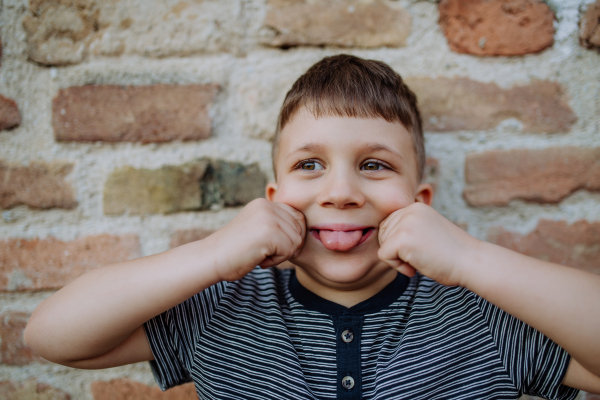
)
(128, 127)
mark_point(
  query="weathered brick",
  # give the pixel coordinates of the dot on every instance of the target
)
(30, 389)
(43, 264)
(58, 31)
(164, 190)
(576, 245)
(63, 32)
(184, 236)
(541, 175)
(198, 185)
(37, 185)
(497, 27)
(354, 23)
(126, 389)
(9, 113)
(13, 350)
(589, 26)
(452, 104)
(111, 113)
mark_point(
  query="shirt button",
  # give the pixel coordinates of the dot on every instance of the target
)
(347, 336)
(348, 382)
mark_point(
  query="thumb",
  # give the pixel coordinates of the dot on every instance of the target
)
(406, 269)
(387, 223)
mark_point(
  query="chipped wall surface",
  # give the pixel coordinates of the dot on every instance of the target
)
(138, 125)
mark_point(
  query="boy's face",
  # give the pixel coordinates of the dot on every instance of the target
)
(345, 175)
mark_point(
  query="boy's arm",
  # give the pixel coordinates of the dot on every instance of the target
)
(96, 320)
(560, 302)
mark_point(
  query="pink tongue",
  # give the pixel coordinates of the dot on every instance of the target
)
(340, 240)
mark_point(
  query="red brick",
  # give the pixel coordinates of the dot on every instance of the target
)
(352, 23)
(37, 185)
(589, 26)
(126, 389)
(30, 389)
(497, 27)
(43, 264)
(576, 245)
(111, 113)
(9, 113)
(13, 350)
(542, 175)
(184, 236)
(453, 104)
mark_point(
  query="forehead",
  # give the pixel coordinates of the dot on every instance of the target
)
(331, 133)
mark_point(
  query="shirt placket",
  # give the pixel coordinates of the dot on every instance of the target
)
(349, 379)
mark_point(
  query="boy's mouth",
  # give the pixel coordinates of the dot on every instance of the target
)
(341, 237)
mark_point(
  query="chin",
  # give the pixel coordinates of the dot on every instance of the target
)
(342, 270)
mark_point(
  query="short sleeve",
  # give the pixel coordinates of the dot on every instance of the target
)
(173, 335)
(535, 364)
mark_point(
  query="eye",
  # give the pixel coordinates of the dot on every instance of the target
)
(310, 165)
(372, 166)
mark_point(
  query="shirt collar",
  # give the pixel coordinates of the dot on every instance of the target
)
(376, 303)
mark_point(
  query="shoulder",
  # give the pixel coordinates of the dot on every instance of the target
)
(261, 280)
(426, 290)
(260, 285)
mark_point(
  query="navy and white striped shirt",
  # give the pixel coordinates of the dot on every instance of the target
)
(267, 337)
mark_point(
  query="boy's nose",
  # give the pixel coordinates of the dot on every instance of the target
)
(341, 191)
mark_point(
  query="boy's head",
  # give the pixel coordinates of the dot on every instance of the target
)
(348, 86)
(348, 153)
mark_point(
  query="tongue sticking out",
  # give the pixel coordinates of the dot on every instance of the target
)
(340, 240)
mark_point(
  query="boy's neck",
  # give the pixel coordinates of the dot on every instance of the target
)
(346, 298)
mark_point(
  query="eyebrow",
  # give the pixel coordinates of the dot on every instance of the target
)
(371, 147)
(309, 147)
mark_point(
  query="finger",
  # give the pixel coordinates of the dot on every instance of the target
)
(386, 225)
(296, 215)
(290, 231)
(388, 253)
(406, 269)
(393, 263)
(267, 262)
(283, 248)
(289, 226)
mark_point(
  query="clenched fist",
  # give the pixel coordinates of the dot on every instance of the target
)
(419, 238)
(264, 233)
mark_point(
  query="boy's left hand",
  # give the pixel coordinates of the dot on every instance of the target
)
(419, 238)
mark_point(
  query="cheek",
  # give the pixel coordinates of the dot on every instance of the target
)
(393, 200)
(295, 195)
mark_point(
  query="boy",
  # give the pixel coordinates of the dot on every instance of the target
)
(348, 210)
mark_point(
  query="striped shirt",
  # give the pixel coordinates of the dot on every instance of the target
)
(267, 337)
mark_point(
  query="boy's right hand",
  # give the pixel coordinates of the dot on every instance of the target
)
(264, 233)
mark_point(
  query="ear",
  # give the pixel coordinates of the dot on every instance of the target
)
(424, 194)
(271, 190)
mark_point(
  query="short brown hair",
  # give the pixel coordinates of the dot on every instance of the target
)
(348, 86)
